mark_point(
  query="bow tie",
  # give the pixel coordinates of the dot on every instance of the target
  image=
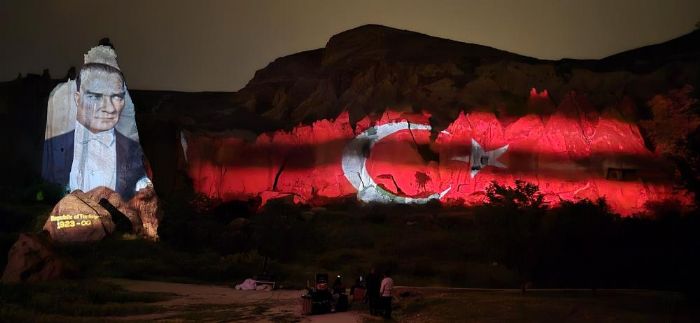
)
(105, 138)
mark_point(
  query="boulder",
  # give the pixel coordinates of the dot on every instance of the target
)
(145, 204)
(142, 210)
(78, 218)
(111, 200)
(32, 259)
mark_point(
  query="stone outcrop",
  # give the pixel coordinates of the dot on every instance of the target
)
(145, 204)
(114, 201)
(78, 218)
(573, 154)
(32, 259)
(141, 210)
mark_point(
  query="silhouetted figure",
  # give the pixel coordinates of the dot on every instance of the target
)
(339, 296)
(373, 282)
(385, 294)
(321, 297)
(359, 290)
(338, 286)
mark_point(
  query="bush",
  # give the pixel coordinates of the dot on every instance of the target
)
(522, 195)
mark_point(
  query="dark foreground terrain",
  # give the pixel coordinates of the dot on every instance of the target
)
(638, 269)
(436, 305)
(514, 241)
(133, 300)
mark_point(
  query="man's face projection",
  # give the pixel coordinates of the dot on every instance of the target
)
(100, 100)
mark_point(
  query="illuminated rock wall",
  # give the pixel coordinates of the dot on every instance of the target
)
(91, 142)
(572, 154)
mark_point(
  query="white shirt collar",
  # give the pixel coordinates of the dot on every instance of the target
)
(83, 135)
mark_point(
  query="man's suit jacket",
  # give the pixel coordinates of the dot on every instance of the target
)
(58, 159)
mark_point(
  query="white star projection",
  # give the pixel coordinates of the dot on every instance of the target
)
(480, 158)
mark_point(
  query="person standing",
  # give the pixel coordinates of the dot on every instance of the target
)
(373, 291)
(385, 294)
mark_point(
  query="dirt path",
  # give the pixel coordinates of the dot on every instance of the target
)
(222, 303)
(345, 317)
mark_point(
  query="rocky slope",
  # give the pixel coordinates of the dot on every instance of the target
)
(372, 72)
(571, 124)
(369, 68)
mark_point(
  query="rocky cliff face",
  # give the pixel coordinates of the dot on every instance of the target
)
(569, 126)
(578, 128)
(589, 157)
(370, 68)
(367, 69)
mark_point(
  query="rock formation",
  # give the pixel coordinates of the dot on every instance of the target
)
(32, 259)
(145, 204)
(578, 128)
(142, 210)
(78, 218)
(569, 158)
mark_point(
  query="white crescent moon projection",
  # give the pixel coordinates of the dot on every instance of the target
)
(355, 159)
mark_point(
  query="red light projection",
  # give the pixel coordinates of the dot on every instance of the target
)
(538, 95)
(392, 159)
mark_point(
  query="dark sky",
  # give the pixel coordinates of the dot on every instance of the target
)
(218, 45)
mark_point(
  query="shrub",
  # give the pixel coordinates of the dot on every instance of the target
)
(522, 195)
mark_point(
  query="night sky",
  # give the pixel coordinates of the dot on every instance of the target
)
(218, 45)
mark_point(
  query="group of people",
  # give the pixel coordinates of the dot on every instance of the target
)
(378, 293)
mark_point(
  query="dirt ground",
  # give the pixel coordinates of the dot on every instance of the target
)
(216, 303)
(542, 305)
(223, 303)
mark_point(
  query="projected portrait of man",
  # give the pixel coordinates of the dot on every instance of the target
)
(95, 153)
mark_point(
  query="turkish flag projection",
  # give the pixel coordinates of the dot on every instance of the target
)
(392, 159)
